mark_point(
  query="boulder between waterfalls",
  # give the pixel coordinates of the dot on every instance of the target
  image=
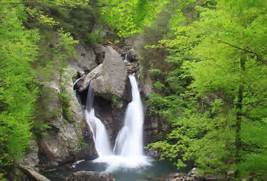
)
(108, 78)
(90, 176)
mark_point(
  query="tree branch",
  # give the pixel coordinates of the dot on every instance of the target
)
(259, 57)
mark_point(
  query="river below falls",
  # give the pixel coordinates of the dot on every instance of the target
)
(157, 171)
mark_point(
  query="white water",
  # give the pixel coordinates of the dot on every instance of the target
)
(100, 135)
(128, 148)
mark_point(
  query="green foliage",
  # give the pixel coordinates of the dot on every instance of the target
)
(76, 17)
(56, 48)
(206, 43)
(45, 113)
(117, 102)
(130, 17)
(65, 103)
(18, 88)
(2, 178)
(94, 37)
(155, 73)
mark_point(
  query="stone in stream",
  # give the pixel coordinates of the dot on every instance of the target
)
(90, 176)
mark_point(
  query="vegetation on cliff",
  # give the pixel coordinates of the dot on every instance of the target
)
(34, 46)
(209, 75)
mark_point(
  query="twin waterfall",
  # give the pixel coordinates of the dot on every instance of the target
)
(128, 148)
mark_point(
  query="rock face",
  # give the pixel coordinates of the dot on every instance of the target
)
(100, 53)
(31, 159)
(109, 78)
(89, 175)
(67, 137)
(154, 128)
(86, 58)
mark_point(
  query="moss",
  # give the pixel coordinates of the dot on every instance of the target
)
(65, 103)
(2, 178)
(46, 111)
(155, 73)
(116, 101)
(94, 37)
(82, 145)
(158, 85)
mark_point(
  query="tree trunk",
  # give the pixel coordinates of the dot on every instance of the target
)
(239, 107)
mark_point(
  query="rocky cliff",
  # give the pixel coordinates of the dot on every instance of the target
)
(63, 102)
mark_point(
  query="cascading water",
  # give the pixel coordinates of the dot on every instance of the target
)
(129, 141)
(128, 149)
(98, 129)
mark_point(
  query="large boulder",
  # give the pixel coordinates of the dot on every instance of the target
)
(89, 175)
(109, 78)
(100, 52)
(85, 58)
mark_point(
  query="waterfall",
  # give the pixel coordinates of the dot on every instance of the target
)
(128, 148)
(129, 141)
(98, 129)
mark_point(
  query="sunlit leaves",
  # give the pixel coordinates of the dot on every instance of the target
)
(130, 17)
(205, 54)
(18, 49)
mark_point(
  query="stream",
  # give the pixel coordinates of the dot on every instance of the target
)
(157, 171)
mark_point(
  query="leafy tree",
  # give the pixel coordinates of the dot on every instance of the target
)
(226, 63)
(130, 17)
(18, 49)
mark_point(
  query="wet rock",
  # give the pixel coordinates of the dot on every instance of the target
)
(153, 153)
(193, 175)
(131, 55)
(89, 175)
(132, 67)
(180, 177)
